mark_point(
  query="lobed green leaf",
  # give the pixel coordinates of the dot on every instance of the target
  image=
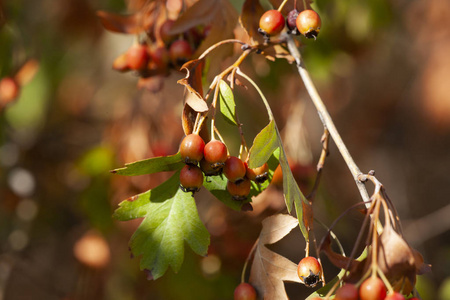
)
(170, 219)
(227, 104)
(152, 165)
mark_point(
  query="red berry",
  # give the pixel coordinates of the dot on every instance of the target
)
(372, 289)
(308, 23)
(347, 292)
(9, 90)
(239, 191)
(137, 57)
(180, 52)
(216, 153)
(164, 32)
(291, 19)
(234, 169)
(160, 58)
(191, 148)
(244, 291)
(309, 271)
(259, 174)
(395, 296)
(191, 178)
(121, 64)
(208, 169)
(272, 22)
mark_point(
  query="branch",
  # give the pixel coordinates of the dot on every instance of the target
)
(327, 121)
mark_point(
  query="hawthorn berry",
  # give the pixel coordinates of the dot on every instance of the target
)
(308, 23)
(191, 148)
(244, 291)
(215, 153)
(160, 58)
(208, 170)
(234, 169)
(239, 191)
(395, 296)
(347, 292)
(271, 22)
(372, 289)
(121, 64)
(137, 57)
(9, 89)
(180, 52)
(309, 271)
(191, 178)
(259, 174)
(291, 21)
(164, 32)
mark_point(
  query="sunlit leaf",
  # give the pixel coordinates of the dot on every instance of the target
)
(269, 269)
(170, 219)
(152, 165)
(227, 104)
(264, 144)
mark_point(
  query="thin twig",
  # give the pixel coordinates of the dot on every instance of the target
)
(326, 119)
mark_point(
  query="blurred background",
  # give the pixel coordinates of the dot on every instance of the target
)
(382, 68)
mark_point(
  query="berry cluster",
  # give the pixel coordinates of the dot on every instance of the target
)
(160, 51)
(212, 159)
(306, 22)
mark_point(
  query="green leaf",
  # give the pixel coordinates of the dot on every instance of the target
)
(152, 165)
(265, 142)
(227, 104)
(170, 218)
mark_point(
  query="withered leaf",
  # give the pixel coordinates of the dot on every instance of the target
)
(249, 19)
(193, 84)
(396, 258)
(132, 23)
(202, 12)
(270, 269)
(277, 51)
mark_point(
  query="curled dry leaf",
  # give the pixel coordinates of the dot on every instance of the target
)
(193, 84)
(270, 269)
(396, 259)
(131, 24)
(249, 19)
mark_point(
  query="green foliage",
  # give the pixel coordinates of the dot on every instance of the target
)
(264, 145)
(170, 219)
(152, 165)
(227, 104)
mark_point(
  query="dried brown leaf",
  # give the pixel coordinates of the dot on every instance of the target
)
(193, 84)
(395, 257)
(249, 19)
(308, 215)
(270, 269)
(202, 12)
(278, 52)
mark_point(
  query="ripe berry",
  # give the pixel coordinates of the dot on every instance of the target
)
(160, 58)
(216, 153)
(309, 271)
(164, 32)
(308, 23)
(9, 90)
(347, 292)
(234, 169)
(180, 52)
(372, 289)
(191, 178)
(271, 22)
(239, 191)
(259, 175)
(137, 57)
(191, 148)
(121, 64)
(208, 170)
(290, 21)
(244, 291)
(395, 296)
